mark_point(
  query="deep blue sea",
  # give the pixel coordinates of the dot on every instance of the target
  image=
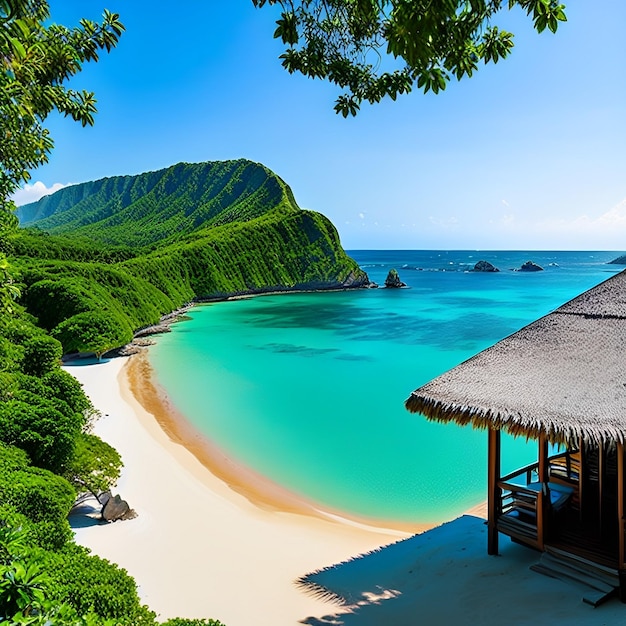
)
(308, 389)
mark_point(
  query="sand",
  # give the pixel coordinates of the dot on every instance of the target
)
(199, 548)
(222, 543)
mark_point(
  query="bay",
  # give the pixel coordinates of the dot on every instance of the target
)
(308, 389)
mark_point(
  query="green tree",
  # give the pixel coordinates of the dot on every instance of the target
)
(65, 387)
(37, 59)
(95, 465)
(377, 48)
(41, 355)
(92, 331)
(34, 424)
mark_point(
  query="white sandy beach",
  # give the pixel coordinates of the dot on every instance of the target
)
(200, 549)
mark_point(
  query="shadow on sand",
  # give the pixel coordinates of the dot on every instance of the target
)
(79, 361)
(444, 576)
(85, 513)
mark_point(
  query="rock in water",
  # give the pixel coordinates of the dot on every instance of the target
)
(485, 266)
(529, 266)
(393, 280)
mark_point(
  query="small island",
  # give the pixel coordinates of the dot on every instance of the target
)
(393, 280)
(529, 266)
(485, 266)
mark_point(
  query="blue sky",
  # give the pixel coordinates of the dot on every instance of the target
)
(528, 154)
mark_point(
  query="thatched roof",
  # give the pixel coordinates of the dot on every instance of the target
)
(564, 375)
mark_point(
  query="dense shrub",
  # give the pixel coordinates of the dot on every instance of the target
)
(41, 354)
(90, 583)
(34, 425)
(53, 300)
(92, 331)
(34, 499)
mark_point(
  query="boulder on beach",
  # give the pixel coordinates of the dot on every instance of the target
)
(529, 266)
(393, 280)
(485, 266)
(117, 509)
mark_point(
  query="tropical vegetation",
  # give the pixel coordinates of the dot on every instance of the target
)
(377, 48)
(47, 457)
(105, 258)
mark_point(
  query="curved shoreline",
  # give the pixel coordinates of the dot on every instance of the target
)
(197, 547)
(257, 489)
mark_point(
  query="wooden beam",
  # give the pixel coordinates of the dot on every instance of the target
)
(581, 477)
(621, 569)
(601, 470)
(493, 490)
(620, 503)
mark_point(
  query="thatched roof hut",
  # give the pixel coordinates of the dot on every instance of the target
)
(563, 376)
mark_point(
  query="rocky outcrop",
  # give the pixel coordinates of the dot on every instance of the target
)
(529, 266)
(485, 266)
(157, 329)
(393, 280)
(116, 509)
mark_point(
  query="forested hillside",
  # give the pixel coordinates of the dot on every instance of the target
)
(156, 206)
(105, 258)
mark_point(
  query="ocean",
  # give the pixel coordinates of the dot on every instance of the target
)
(308, 389)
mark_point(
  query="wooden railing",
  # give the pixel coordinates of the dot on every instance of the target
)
(526, 503)
(519, 505)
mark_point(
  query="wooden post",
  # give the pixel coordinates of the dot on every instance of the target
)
(493, 490)
(581, 477)
(601, 470)
(543, 499)
(620, 521)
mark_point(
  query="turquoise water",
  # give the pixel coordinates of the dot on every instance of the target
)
(309, 389)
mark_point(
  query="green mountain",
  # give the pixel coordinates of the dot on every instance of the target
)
(163, 205)
(108, 257)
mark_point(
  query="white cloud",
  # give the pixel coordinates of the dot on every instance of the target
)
(362, 216)
(32, 193)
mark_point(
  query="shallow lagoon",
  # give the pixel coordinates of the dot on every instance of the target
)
(308, 389)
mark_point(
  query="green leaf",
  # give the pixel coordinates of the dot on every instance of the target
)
(18, 47)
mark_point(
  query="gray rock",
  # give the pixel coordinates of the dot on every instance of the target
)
(393, 280)
(154, 330)
(529, 266)
(117, 509)
(485, 266)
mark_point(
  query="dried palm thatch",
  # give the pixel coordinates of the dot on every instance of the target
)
(563, 375)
